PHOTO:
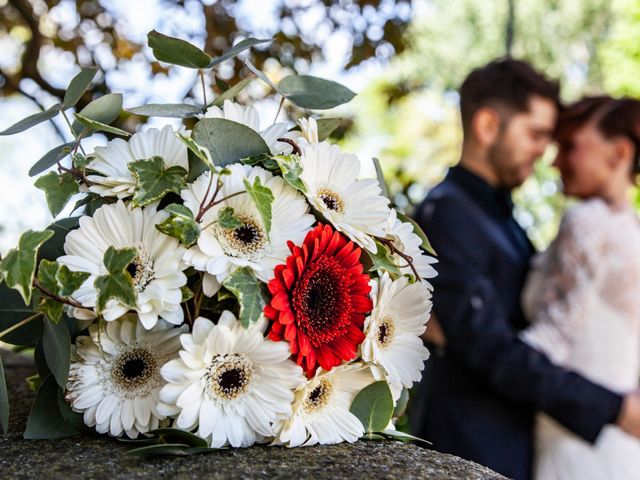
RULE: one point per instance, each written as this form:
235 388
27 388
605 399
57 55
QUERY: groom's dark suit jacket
479 394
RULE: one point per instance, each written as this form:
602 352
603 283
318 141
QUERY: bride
582 295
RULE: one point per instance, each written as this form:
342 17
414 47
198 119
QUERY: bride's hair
613 117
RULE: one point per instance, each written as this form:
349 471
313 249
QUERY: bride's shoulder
588 212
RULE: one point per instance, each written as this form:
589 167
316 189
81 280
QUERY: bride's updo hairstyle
614 117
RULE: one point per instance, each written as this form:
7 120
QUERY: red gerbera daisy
319 300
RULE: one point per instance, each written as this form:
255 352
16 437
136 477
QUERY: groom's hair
505 84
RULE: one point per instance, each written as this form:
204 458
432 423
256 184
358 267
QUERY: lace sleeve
568 276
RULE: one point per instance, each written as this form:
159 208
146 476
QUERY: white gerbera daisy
230 383
355 207
399 316
220 251
309 129
111 162
156 270
405 240
115 378
248 115
321 408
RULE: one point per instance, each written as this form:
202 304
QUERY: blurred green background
406 60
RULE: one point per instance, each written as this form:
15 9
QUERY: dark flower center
331 200
141 271
386 331
246 234
319 396
134 369
228 376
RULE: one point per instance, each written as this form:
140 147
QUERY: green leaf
19 265
68 281
228 141
403 437
58 189
45 421
187 294
12 311
175 435
260 74
51 158
313 92
170 110
153 180
78 86
236 49
160 449
381 181
383 260
104 110
180 224
197 150
56 344
291 170
176 51
117 283
4 401
227 218
54 247
263 198
231 92
47 279
99 126
401 404
373 406
252 295
33 120
426 245
326 126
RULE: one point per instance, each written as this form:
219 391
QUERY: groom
482 385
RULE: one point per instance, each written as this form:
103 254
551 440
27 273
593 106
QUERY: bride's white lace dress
583 300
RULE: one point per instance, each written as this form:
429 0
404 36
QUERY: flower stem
21 323
58 298
389 243
296 148
279 109
204 90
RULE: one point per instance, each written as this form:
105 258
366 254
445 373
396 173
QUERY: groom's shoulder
447 202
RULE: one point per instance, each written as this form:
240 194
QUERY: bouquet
227 285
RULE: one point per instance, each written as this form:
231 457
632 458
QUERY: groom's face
523 138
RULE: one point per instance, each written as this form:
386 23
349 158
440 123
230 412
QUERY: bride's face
582 161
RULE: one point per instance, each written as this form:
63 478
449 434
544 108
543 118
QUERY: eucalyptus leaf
380 176
230 93
154 181
401 403
426 245
176 51
373 406
252 295
169 110
260 74
56 344
159 449
236 49
263 198
12 311
100 127
291 170
78 86
4 401
45 421
104 110
117 284
403 437
314 93
175 435
58 189
228 141
33 120
383 260
326 126
227 218
180 224
19 265
54 247
52 157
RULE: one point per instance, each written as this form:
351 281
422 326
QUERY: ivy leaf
252 295
103 110
313 92
187 294
231 92
78 86
228 141
153 180
33 120
99 126
263 198
291 170
68 281
373 406
19 265
51 158
4 401
56 344
180 224
227 218
383 260
117 284
426 245
58 189
176 51
236 49
169 110
197 150
47 279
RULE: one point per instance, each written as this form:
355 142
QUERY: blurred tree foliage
411 113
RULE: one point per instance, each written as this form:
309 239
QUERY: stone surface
97 457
